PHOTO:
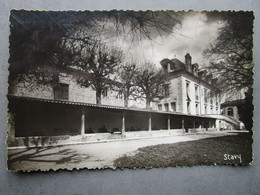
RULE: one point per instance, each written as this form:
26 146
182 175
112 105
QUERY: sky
193 32
193 35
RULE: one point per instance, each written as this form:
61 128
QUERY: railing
226 118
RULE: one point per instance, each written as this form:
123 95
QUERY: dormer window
195 72
193 69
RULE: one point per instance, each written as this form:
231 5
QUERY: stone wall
77 93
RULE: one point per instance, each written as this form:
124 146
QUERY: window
197 108
205 96
188 107
188 90
119 95
192 69
173 106
159 106
196 93
61 92
206 108
195 71
211 97
104 92
166 106
166 90
230 112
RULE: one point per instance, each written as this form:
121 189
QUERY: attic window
171 66
193 69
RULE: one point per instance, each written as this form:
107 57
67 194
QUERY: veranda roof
67 102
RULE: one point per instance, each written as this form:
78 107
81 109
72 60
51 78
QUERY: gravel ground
91 156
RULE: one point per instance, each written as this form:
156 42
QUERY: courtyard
190 149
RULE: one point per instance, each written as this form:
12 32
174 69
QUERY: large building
189 89
67 112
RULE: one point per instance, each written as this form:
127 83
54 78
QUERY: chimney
188 62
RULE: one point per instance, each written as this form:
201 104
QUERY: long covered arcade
34 121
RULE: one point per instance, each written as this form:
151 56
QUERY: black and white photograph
129 89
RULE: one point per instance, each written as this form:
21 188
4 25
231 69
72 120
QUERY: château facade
189 89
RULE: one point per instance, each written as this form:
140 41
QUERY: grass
200 152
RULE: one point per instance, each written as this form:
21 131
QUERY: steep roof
175 64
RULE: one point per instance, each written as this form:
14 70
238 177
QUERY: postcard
129 89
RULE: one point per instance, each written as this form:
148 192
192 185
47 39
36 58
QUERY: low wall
44 141
153 133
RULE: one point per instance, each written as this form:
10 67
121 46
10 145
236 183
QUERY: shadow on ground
54 155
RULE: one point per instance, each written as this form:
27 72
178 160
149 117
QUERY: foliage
231 53
245 110
37 46
231 59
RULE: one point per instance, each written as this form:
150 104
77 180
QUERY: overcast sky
192 36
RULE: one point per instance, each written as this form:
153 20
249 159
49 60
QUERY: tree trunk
55 78
98 96
148 104
126 95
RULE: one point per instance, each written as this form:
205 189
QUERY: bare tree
97 63
151 83
42 44
35 35
127 75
